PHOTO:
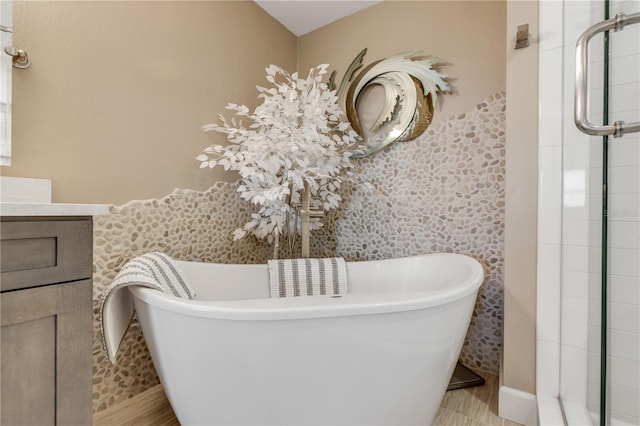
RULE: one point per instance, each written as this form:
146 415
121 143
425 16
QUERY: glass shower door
600 302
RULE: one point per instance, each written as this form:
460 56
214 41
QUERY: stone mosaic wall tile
443 192
187 225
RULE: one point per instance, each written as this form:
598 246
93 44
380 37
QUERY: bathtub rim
309 307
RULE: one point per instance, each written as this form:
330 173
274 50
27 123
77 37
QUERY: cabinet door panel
54 323
28 360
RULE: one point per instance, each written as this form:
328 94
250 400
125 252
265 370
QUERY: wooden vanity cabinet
46 265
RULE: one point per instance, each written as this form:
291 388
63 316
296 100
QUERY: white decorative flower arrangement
296 136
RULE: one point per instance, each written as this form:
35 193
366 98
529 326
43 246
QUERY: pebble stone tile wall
442 192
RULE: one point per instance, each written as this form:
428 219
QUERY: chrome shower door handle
582 62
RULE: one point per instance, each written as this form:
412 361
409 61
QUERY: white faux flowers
296 135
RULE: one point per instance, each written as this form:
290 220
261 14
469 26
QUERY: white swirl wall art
411 88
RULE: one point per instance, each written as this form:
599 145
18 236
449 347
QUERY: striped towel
153 270
307 277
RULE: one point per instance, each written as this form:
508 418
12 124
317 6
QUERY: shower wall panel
570 221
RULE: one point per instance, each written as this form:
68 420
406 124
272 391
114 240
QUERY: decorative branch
296 136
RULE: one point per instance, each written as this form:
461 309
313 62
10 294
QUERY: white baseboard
517 406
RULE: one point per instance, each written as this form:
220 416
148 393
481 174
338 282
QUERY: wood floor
477 406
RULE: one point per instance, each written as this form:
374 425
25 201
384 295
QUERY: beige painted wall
519 356
112 105
468 35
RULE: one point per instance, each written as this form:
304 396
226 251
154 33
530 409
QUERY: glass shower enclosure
600 217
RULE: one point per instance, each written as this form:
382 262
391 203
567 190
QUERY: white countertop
53 209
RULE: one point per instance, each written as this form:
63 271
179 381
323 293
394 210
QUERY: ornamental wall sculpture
411 87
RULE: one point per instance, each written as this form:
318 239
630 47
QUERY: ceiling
303 16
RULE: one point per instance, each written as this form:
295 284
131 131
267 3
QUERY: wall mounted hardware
20 57
522 36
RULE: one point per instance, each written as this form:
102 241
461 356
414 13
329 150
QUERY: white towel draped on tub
307 277
153 270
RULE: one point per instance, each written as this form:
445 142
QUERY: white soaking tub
381 354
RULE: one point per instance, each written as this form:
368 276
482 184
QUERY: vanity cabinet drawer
35 253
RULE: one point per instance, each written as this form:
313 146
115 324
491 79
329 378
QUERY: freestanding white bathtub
382 354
